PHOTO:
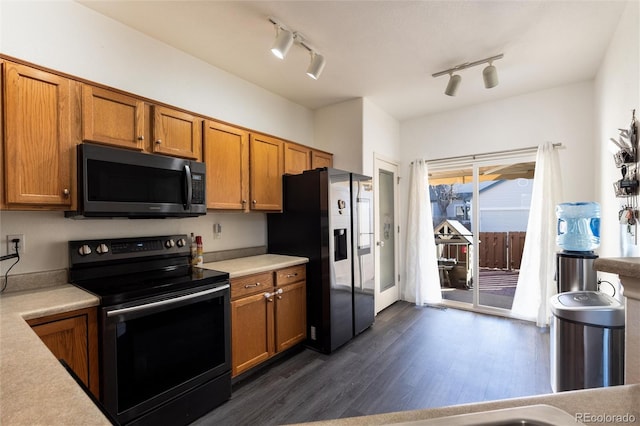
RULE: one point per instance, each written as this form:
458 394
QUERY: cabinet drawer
291 275
251 284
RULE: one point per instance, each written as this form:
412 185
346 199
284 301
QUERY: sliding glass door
480 210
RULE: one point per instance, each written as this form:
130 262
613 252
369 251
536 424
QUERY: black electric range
164 328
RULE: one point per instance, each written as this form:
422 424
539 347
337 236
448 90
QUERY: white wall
339 128
381 136
617 93
68 37
560 115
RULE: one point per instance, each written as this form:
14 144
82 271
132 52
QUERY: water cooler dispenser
578 235
587 328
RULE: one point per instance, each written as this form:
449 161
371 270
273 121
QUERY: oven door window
160 351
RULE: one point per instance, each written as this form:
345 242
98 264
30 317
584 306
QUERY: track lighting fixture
452 86
285 38
489 74
282 43
316 66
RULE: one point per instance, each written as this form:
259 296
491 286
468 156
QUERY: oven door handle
163 303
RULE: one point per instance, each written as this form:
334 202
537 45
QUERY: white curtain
536 279
423 281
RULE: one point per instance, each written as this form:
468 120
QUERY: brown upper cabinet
176 133
112 118
226 154
38 146
244 171
265 171
45 115
321 159
297 158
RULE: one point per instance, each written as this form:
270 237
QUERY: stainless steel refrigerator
327 217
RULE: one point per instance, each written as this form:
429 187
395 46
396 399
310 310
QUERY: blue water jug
578 226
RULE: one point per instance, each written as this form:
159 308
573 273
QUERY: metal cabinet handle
65 192
244 201
159 141
267 295
252 285
141 137
292 275
254 202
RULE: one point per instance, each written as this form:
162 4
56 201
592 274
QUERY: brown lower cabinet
268 316
73 337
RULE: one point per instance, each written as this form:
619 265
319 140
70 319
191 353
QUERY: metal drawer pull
292 275
165 302
252 285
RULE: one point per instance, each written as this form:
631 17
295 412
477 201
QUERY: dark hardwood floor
411 358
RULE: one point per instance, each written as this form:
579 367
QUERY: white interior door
386 233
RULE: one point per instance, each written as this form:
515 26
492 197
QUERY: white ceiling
386 51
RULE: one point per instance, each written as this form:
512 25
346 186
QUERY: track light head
452 86
282 43
490 76
316 65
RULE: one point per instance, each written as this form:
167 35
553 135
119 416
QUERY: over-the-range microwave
115 182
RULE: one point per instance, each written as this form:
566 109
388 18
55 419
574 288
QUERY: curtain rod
506 151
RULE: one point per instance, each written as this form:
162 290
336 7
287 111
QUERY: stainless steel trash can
586 341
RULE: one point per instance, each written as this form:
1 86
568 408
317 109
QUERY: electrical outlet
11 245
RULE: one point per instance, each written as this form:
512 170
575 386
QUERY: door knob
380 243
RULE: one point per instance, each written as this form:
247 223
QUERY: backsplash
47 233
37 280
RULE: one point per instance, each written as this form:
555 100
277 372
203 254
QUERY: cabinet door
291 315
266 170
73 337
112 118
226 154
321 159
177 133
38 146
251 332
297 158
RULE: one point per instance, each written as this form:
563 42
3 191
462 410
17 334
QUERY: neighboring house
504 204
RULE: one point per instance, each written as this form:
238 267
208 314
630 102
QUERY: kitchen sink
531 415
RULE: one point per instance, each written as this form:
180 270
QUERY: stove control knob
102 249
181 242
84 250
169 243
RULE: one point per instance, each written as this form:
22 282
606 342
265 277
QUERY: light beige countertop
255 264
35 389
583 404
625 266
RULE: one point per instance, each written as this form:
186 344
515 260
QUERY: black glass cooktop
117 289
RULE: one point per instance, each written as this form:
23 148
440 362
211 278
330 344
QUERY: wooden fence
501 250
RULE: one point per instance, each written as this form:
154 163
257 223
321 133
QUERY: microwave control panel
197 188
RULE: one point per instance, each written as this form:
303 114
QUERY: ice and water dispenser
587 328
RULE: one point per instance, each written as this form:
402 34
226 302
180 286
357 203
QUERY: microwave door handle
187 172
